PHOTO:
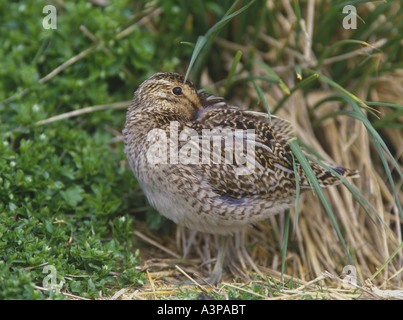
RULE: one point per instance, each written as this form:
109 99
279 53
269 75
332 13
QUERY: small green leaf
73 195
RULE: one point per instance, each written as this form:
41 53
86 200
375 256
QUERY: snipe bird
209 166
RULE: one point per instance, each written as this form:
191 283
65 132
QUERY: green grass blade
286 229
300 85
297 194
200 43
297 11
378 143
315 184
261 96
388 173
356 103
252 78
274 75
367 207
381 147
231 72
385 104
298 71
340 43
190 44
346 93
400 247
211 34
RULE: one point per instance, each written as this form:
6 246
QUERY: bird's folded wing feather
251 158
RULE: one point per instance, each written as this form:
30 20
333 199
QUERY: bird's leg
216 275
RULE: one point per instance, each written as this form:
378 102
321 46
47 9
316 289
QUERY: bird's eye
177 91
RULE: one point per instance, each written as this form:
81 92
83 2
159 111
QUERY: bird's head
167 93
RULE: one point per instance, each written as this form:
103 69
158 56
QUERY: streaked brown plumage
204 194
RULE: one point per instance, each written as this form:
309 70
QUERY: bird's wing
250 159
271 170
